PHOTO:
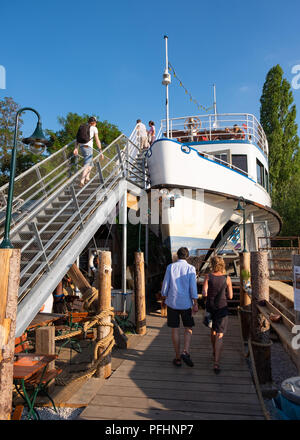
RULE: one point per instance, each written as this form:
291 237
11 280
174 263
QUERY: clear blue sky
107 57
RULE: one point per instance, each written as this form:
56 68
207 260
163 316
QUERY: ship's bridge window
240 161
223 155
260 173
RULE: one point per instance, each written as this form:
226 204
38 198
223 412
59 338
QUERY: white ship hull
198 217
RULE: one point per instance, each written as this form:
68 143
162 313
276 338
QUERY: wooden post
104 303
260 330
245 300
45 342
139 287
9 286
296 262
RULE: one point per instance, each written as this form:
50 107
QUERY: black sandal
177 362
217 369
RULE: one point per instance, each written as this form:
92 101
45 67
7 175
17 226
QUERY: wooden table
30 370
43 319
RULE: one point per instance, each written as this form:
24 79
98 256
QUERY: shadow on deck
147 385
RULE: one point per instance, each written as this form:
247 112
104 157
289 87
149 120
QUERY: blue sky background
107 57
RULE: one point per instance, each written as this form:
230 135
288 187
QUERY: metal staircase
54 218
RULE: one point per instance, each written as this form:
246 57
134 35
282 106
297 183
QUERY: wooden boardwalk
147 385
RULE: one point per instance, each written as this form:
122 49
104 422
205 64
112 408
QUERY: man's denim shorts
87 153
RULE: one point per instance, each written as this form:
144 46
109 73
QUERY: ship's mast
166 81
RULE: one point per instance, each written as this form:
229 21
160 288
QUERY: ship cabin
234 140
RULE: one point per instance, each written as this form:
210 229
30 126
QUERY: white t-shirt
93 131
141 130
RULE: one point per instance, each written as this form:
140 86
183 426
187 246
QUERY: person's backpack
83 134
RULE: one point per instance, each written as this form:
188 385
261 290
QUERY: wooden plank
145 384
164 375
177 395
110 413
18 412
170 404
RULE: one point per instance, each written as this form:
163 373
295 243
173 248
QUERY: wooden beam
260 330
139 287
9 286
79 279
104 303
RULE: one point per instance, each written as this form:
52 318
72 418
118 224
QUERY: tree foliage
277 116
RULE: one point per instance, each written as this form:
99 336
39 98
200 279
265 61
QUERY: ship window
219 157
240 161
260 173
267 180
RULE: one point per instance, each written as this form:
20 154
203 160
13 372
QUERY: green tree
277 116
25 159
70 124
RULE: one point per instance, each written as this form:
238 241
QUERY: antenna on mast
215 124
166 82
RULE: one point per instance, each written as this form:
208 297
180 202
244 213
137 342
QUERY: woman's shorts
87 153
219 325
173 318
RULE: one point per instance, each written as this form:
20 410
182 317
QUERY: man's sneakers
187 359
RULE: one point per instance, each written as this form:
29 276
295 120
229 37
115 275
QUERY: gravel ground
50 414
282 368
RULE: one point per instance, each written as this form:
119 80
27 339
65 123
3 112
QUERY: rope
246 354
260 397
105 343
256 381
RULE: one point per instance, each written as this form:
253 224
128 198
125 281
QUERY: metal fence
220 127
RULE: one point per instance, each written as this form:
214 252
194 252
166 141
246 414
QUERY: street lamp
37 142
241 208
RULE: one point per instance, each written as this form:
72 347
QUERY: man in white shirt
142 135
86 149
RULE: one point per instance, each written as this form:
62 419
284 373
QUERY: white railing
220 127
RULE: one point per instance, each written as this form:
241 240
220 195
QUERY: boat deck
147 386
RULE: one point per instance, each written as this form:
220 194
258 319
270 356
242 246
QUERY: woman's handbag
207 321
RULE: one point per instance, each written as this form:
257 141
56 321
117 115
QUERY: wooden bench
21 343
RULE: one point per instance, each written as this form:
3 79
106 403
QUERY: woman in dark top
215 285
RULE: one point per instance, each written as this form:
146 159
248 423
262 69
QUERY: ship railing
220 127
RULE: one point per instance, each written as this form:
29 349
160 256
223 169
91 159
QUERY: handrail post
121 161
39 242
72 189
39 176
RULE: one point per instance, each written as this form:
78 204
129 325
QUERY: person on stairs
142 135
85 139
179 291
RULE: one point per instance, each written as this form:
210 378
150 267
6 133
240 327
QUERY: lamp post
241 208
36 141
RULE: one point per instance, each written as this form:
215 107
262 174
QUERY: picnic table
30 376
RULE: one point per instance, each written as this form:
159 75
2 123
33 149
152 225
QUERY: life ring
192 123
91 261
